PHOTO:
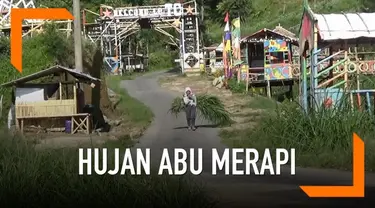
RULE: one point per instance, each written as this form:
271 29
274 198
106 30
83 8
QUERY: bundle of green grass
209 107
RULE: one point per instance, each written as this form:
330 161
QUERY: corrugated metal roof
346 26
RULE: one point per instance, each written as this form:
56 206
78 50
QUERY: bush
49 178
236 87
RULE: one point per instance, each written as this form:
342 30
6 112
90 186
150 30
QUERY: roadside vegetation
135 113
49 177
322 139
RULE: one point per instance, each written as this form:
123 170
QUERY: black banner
190 34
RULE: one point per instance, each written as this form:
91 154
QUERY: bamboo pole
357 70
346 86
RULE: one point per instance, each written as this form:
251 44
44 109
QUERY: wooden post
247 80
88 124
66 86
247 53
291 92
60 90
238 74
268 88
17 124
22 125
72 125
75 97
248 60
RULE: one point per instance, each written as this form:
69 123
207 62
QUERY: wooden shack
269 56
51 97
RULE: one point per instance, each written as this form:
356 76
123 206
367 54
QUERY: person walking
190 101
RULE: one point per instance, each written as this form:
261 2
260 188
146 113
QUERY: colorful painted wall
244 71
276 60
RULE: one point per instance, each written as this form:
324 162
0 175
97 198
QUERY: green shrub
49 178
236 87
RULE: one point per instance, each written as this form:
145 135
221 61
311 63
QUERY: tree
368 5
239 8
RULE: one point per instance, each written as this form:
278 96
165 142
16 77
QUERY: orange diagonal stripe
16 17
358 187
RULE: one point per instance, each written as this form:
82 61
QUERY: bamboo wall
48 108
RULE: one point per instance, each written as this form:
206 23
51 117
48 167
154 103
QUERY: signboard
166 10
190 34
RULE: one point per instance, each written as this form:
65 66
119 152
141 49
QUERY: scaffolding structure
29 26
113 29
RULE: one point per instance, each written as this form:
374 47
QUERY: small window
277 58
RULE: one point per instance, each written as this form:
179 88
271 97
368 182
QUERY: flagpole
230 49
224 52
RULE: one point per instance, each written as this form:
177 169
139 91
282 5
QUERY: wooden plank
48 108
77 122
58 116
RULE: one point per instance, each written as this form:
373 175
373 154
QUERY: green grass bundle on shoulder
209 108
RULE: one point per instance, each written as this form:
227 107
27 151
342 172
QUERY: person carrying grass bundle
190 101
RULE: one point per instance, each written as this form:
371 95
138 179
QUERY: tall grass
321 139
49 178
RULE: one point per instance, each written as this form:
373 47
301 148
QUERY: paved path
166 132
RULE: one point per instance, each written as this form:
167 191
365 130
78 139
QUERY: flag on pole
226 28
236 39
224 59
226 19
227 46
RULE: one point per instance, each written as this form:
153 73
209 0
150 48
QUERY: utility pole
77 35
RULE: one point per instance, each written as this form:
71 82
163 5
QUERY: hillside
270 13
255 14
